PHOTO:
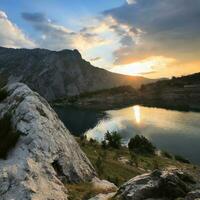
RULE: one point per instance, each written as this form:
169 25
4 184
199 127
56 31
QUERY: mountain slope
58 74
181 93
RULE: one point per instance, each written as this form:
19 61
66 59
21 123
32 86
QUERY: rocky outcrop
106 189
193 195
163 185
103 185
44 156
59 74
103 196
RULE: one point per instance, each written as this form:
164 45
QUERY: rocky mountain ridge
58 74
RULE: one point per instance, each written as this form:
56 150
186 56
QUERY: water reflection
137 113
173 131
78 120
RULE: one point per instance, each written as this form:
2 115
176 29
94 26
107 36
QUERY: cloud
167 28
11 35
130 1
56 37
95 59
150 65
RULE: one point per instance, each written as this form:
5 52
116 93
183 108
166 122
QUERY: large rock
157 185
103 185
45 156
103 196
193 195
106 189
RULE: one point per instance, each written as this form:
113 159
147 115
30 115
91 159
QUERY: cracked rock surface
159 185
45 156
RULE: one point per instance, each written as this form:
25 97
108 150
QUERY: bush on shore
181 159
112 139
140 145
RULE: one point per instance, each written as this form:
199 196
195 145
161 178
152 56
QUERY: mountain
58 74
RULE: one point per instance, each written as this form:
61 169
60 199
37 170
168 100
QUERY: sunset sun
144 67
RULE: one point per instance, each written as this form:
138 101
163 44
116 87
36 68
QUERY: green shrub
155 164
93 141
113 139
99 165
8 137
83 137
181 159
134 159
166 154
72 99
83 140
3 94
114 180
139 144
104 144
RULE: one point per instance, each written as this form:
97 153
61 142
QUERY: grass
181 159
118 171
83 191
113 170
80 191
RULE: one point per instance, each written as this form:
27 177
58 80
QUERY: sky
152 38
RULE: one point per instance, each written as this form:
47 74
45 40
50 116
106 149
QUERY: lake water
172 131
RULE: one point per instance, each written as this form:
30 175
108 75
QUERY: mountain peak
58 74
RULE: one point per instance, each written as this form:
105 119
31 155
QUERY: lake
173 131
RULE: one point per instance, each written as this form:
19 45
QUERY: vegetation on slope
103 99
119 165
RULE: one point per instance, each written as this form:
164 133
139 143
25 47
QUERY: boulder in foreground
162 185
43 155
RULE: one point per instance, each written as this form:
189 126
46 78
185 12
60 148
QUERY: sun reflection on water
137 113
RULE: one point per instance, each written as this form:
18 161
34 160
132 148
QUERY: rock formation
160 185
58 74
44 156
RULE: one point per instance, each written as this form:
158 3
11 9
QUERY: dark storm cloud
34 17
170 28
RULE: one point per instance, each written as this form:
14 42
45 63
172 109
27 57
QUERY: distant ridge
57 74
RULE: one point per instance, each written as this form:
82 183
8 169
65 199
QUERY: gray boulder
45 154
157 185
193 195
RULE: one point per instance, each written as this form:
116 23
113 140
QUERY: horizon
115 35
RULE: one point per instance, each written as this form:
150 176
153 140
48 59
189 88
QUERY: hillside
58 74
181 93
117 97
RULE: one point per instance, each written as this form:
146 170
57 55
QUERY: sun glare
137 114
146 66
